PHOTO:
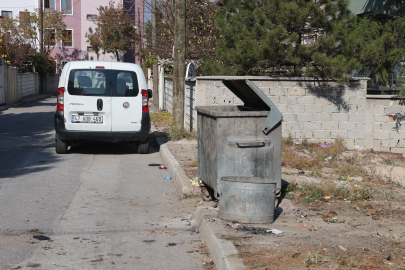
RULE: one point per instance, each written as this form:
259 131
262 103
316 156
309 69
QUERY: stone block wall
387 132
316 110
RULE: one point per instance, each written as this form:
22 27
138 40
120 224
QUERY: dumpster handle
251 144
276 190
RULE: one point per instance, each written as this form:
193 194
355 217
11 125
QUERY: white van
102 101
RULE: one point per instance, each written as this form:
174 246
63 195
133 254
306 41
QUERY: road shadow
23 161
30 127
49 102
163 137
25 141
106 148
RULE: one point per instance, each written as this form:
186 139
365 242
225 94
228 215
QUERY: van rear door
88 98
126 100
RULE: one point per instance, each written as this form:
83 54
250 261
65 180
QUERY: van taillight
61 91
145 107
100 67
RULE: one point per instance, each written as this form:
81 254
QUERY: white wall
2 84
90 7
28 84
19 5
21 85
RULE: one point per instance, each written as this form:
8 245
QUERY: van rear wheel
60 146
143 147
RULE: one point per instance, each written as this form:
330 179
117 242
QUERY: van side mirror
149 93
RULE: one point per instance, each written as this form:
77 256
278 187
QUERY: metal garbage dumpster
240 140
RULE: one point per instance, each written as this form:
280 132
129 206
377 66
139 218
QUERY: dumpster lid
253 97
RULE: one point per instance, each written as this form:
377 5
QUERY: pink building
79 16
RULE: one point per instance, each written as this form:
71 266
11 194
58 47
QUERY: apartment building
12 9
79 16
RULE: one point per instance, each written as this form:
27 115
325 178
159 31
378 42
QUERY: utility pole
42 25
155 66
140 35
41 78
178 65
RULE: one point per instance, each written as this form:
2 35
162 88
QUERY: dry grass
300 162
162 120
194 162
335 168
307 156
344 169
312 192
178 134
288 141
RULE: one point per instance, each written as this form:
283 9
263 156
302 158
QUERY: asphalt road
101 205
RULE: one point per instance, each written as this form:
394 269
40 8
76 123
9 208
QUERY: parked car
102 101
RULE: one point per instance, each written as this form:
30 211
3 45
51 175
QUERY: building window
90 49
68 39
67 6
91 17
49 5
50 37
7 14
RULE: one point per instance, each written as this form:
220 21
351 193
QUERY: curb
179 177
28 99
223 252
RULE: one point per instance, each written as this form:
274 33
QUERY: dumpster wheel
207 194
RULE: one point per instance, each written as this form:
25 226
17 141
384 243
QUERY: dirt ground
340 209
329 234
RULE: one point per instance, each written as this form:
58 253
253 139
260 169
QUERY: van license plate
87 119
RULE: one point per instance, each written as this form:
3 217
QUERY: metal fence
190 114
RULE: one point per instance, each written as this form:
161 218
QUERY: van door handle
99 104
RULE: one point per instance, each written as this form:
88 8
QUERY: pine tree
300 37
381 47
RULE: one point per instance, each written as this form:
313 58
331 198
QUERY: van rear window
90 82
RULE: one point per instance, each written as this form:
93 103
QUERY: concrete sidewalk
223 252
